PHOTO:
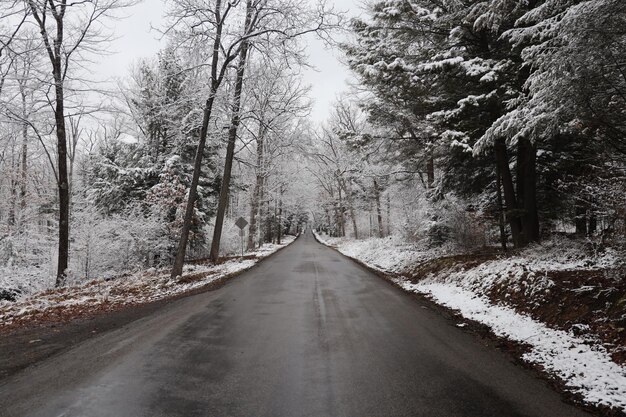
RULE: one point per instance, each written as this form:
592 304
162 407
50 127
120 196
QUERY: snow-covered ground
581 362
139 288
390 254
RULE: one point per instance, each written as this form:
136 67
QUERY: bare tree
276 99
68 30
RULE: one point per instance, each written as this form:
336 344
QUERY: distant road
306 333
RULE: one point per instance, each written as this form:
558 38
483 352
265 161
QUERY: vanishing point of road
307 332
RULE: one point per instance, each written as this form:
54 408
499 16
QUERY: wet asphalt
307 332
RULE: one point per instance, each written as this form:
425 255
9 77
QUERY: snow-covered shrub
106 246
28 260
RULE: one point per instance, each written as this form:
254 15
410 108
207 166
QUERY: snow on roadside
388 254
586 367
139 288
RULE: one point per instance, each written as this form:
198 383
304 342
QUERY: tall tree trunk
342 226
232 138
350 203
388 214
11 218
430 171
580 220
275 221
256 194
268 220
280 217
593 224
501 218
24 165
179 261
511 210
63 185
527 190
261 219
371 222
379 214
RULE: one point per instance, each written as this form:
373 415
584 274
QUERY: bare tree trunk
342 227
355 230
593 224
379 215
268 219
527 194
232 137
430 171
24 165
258 185
64 197
580 220
262 232
501 219
280 216
388 214
371 222
275 220
11 218
502 160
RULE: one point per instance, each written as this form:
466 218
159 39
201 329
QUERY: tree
277 100
67 31
279 23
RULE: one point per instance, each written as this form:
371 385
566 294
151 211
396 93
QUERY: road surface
306 333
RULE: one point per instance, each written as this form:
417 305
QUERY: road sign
241 223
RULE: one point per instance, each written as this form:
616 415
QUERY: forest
470 124
479 144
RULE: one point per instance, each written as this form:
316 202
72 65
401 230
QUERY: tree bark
430 171
350 202
64 197
501 218
388 214
593 224
232 137
379 215
580 220
280 217
502 160
256 194
342 226
24 164
527 194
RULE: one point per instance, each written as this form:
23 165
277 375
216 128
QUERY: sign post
241 223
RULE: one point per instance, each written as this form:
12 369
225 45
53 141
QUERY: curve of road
306 333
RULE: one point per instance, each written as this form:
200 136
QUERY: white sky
135 41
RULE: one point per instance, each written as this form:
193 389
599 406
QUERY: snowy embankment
580 361
107 295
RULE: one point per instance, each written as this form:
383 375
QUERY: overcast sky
135 40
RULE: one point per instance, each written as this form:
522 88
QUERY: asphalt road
306 333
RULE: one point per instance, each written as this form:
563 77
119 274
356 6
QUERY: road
305 333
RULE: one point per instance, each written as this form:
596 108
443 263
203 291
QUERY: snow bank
139 288
581 362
